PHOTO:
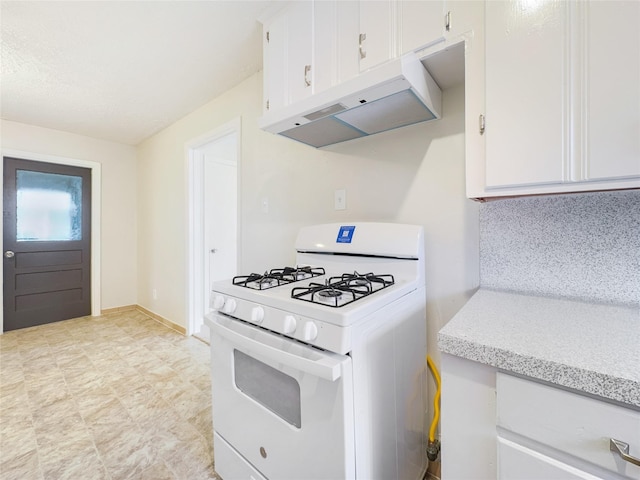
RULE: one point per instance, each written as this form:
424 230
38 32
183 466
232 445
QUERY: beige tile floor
119 396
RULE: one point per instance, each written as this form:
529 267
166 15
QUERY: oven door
285 407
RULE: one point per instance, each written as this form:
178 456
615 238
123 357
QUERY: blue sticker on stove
345 235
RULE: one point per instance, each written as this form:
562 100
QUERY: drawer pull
622 449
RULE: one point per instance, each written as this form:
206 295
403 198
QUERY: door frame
96 209
195 291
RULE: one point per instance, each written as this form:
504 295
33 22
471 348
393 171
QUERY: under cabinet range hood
396 94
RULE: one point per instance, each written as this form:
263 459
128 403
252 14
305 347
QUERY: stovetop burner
342 290
277 276
330 293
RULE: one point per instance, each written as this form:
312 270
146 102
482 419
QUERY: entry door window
48 207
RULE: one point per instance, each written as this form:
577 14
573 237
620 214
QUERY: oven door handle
327 366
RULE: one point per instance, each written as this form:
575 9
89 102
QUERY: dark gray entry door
47 242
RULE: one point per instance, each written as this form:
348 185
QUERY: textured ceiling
122 70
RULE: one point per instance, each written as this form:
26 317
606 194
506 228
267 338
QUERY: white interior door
214 216
220 210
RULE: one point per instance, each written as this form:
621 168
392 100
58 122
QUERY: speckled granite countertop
594 348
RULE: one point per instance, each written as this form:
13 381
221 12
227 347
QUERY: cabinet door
527 99
612 82
467 22
377 40
335 47
288 55
348 29
325 38
299 49
275 63
421 24
516 462
465 16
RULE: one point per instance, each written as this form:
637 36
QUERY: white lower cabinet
546 432
516 462
495 425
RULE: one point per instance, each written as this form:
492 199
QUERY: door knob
9 254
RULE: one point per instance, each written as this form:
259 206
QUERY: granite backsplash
583 246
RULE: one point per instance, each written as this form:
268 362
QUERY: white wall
410 175
119 213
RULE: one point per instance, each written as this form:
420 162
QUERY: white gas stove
318 369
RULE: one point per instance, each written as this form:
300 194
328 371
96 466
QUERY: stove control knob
257 315
217 302
289 324
229 306
310 332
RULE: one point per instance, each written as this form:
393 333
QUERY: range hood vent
396 94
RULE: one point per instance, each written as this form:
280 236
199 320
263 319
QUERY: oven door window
271 388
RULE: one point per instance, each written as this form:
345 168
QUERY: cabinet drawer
578 425
516 462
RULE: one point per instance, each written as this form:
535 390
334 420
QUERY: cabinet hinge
267 104
447 22
307 80
481 124
267 34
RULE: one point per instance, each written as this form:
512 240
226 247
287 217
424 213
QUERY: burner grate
342 290
277 277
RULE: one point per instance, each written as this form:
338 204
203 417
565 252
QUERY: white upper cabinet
389 28
526 92
325 44
555 106
347 30
274 43
288 55
421 24
312 45
463 18
612 90
300 50
309 46
377 38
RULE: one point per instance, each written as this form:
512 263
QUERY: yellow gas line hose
436 400
436 403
